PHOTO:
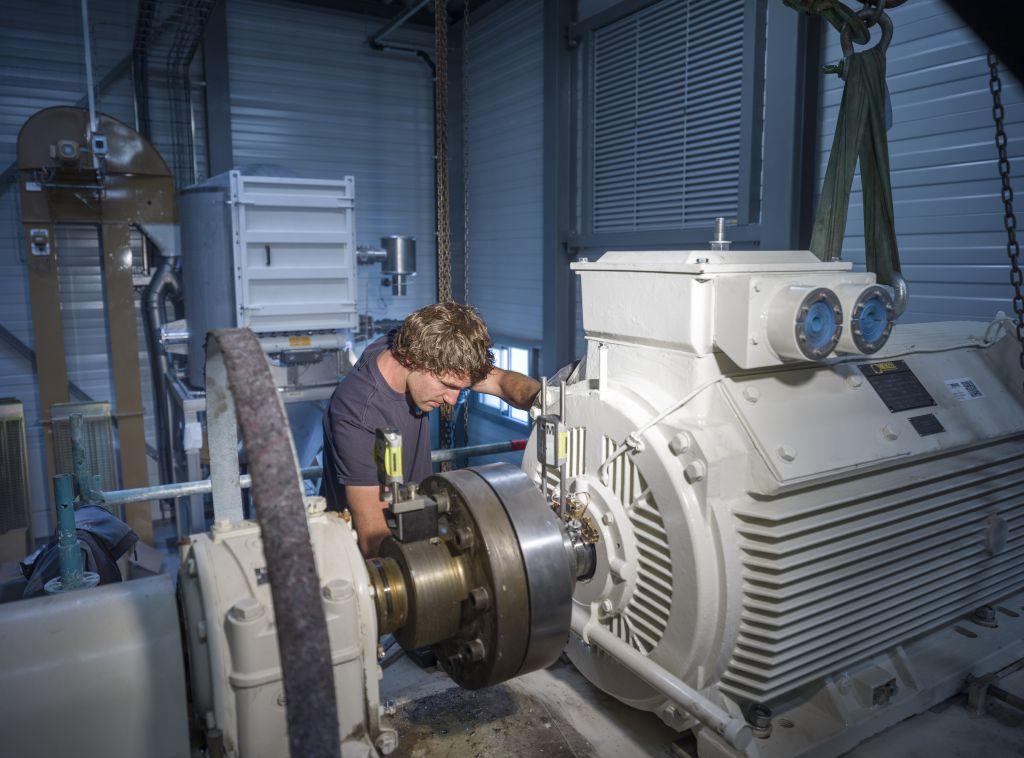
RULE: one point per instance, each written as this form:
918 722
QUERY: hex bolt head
751 395
222 525
854 381
607 519
890 432
680 443
339 590
247 609
606 607
620 570
695 471
479 598
475 650
986 616
786 453
760 719
386 742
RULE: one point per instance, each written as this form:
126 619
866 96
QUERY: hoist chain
444 233
995 85
465 186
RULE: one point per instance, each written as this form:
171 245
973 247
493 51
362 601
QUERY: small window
510 359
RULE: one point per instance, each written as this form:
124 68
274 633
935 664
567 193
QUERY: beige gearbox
819 548
237 690
477 567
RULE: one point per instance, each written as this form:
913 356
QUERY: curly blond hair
445 338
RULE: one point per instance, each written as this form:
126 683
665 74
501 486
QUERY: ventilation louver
14 505
99 440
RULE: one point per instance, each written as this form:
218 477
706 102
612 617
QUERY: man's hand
516 389
367 511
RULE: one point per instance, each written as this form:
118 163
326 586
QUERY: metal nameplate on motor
897 385
926 425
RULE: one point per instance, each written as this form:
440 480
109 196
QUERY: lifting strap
860 134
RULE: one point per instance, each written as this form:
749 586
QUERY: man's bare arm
514 388
367 517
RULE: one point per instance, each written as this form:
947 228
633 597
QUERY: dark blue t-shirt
362 402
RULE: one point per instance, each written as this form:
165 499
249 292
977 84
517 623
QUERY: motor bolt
760 719
985 615
475 650
479 598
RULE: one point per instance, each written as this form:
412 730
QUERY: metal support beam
788 164
559 282
219 146
378 39
222 437
47 326
124 357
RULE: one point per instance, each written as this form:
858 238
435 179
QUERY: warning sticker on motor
964 389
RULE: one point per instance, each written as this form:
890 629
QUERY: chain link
465 186
444 233
995 86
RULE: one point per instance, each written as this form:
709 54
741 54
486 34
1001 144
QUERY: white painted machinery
815 526
276 255
280 617
783 548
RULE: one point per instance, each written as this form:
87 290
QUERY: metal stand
980 689
187 405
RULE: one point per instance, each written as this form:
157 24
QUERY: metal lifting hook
879 16
870 16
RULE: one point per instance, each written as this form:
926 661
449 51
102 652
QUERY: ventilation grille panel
645 618
14 495
99 440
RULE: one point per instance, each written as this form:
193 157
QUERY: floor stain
493 721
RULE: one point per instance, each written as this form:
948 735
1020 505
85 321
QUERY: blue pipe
72 567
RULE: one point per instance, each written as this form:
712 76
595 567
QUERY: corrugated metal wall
949 219
41 65
310 98
506 155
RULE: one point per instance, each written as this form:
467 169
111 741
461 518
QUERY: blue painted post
72 567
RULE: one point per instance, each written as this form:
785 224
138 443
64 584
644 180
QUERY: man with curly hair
437 352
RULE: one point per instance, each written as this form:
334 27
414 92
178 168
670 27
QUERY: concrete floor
557 713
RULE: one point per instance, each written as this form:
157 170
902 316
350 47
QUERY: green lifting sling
860 134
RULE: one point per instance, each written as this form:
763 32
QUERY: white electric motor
820 545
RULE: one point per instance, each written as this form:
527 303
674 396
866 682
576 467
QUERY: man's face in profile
428 391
